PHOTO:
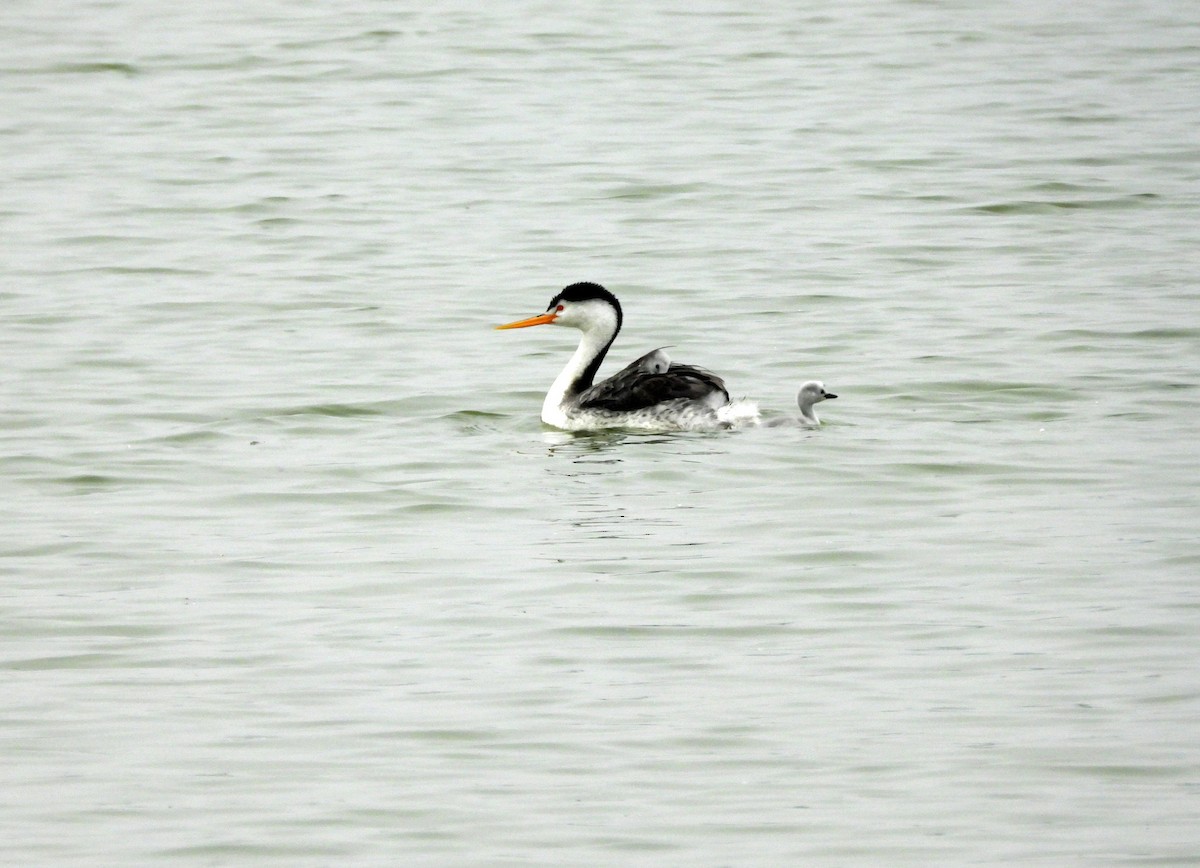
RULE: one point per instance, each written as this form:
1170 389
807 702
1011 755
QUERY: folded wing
654 379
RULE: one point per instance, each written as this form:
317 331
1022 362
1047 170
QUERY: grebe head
812 392
588 307
655 362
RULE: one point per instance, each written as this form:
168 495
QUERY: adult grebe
652 393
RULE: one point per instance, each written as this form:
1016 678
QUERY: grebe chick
812 392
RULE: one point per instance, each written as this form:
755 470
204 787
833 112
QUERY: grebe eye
558 309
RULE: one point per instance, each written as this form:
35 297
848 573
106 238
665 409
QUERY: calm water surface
294 575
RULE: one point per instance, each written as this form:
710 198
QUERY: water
293 574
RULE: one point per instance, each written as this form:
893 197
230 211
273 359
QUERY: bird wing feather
638 385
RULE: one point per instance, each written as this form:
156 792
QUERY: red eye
559 309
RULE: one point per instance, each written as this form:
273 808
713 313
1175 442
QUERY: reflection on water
621 497
578 445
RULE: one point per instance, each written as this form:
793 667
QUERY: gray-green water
293 575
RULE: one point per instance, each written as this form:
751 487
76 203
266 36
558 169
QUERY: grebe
812 392
652 393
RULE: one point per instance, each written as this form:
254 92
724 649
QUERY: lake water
293 574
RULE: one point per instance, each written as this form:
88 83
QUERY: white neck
591 344
808 414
